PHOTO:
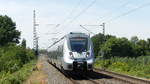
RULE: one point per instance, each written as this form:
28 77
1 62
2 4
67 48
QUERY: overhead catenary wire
55 26
128 12
110 12
72 11
122 5
87 29
83 11
80 13
55 42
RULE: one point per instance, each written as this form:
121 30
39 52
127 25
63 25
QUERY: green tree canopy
134 39
8 32
117 47
142 46
148 46
23 43
98 40
109 46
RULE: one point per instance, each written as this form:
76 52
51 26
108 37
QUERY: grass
19 76
37 76
139 67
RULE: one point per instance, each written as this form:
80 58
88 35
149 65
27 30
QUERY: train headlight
71 54
87 54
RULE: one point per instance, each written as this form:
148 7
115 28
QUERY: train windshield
78 44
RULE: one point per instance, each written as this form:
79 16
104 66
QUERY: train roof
71 34
77 34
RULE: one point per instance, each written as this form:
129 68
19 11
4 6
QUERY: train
72 52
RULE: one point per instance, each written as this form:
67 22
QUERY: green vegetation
120 47
8 32
13 57
139 66
130 57
23 44
19 76
16 62
98 41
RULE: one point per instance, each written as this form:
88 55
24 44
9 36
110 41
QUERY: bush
19 76
139 66
13 57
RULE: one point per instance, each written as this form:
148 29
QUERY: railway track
126 78
77 77
99 76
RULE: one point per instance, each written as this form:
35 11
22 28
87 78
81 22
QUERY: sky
123 18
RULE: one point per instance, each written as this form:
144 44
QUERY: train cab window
78 44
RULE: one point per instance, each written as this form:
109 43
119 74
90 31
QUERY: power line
55 42
110 12
103 26
83 11
130 11
58 25
55 26
87 29
73 10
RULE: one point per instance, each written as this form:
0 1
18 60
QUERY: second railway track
126 78
99 76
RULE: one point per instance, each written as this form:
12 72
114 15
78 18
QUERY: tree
134 39
142 46
117 47
98 40
23 44
148 46
8 32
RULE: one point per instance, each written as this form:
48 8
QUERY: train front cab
84 65
78 53
78 65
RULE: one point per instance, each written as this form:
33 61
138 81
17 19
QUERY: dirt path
46 74
38 76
